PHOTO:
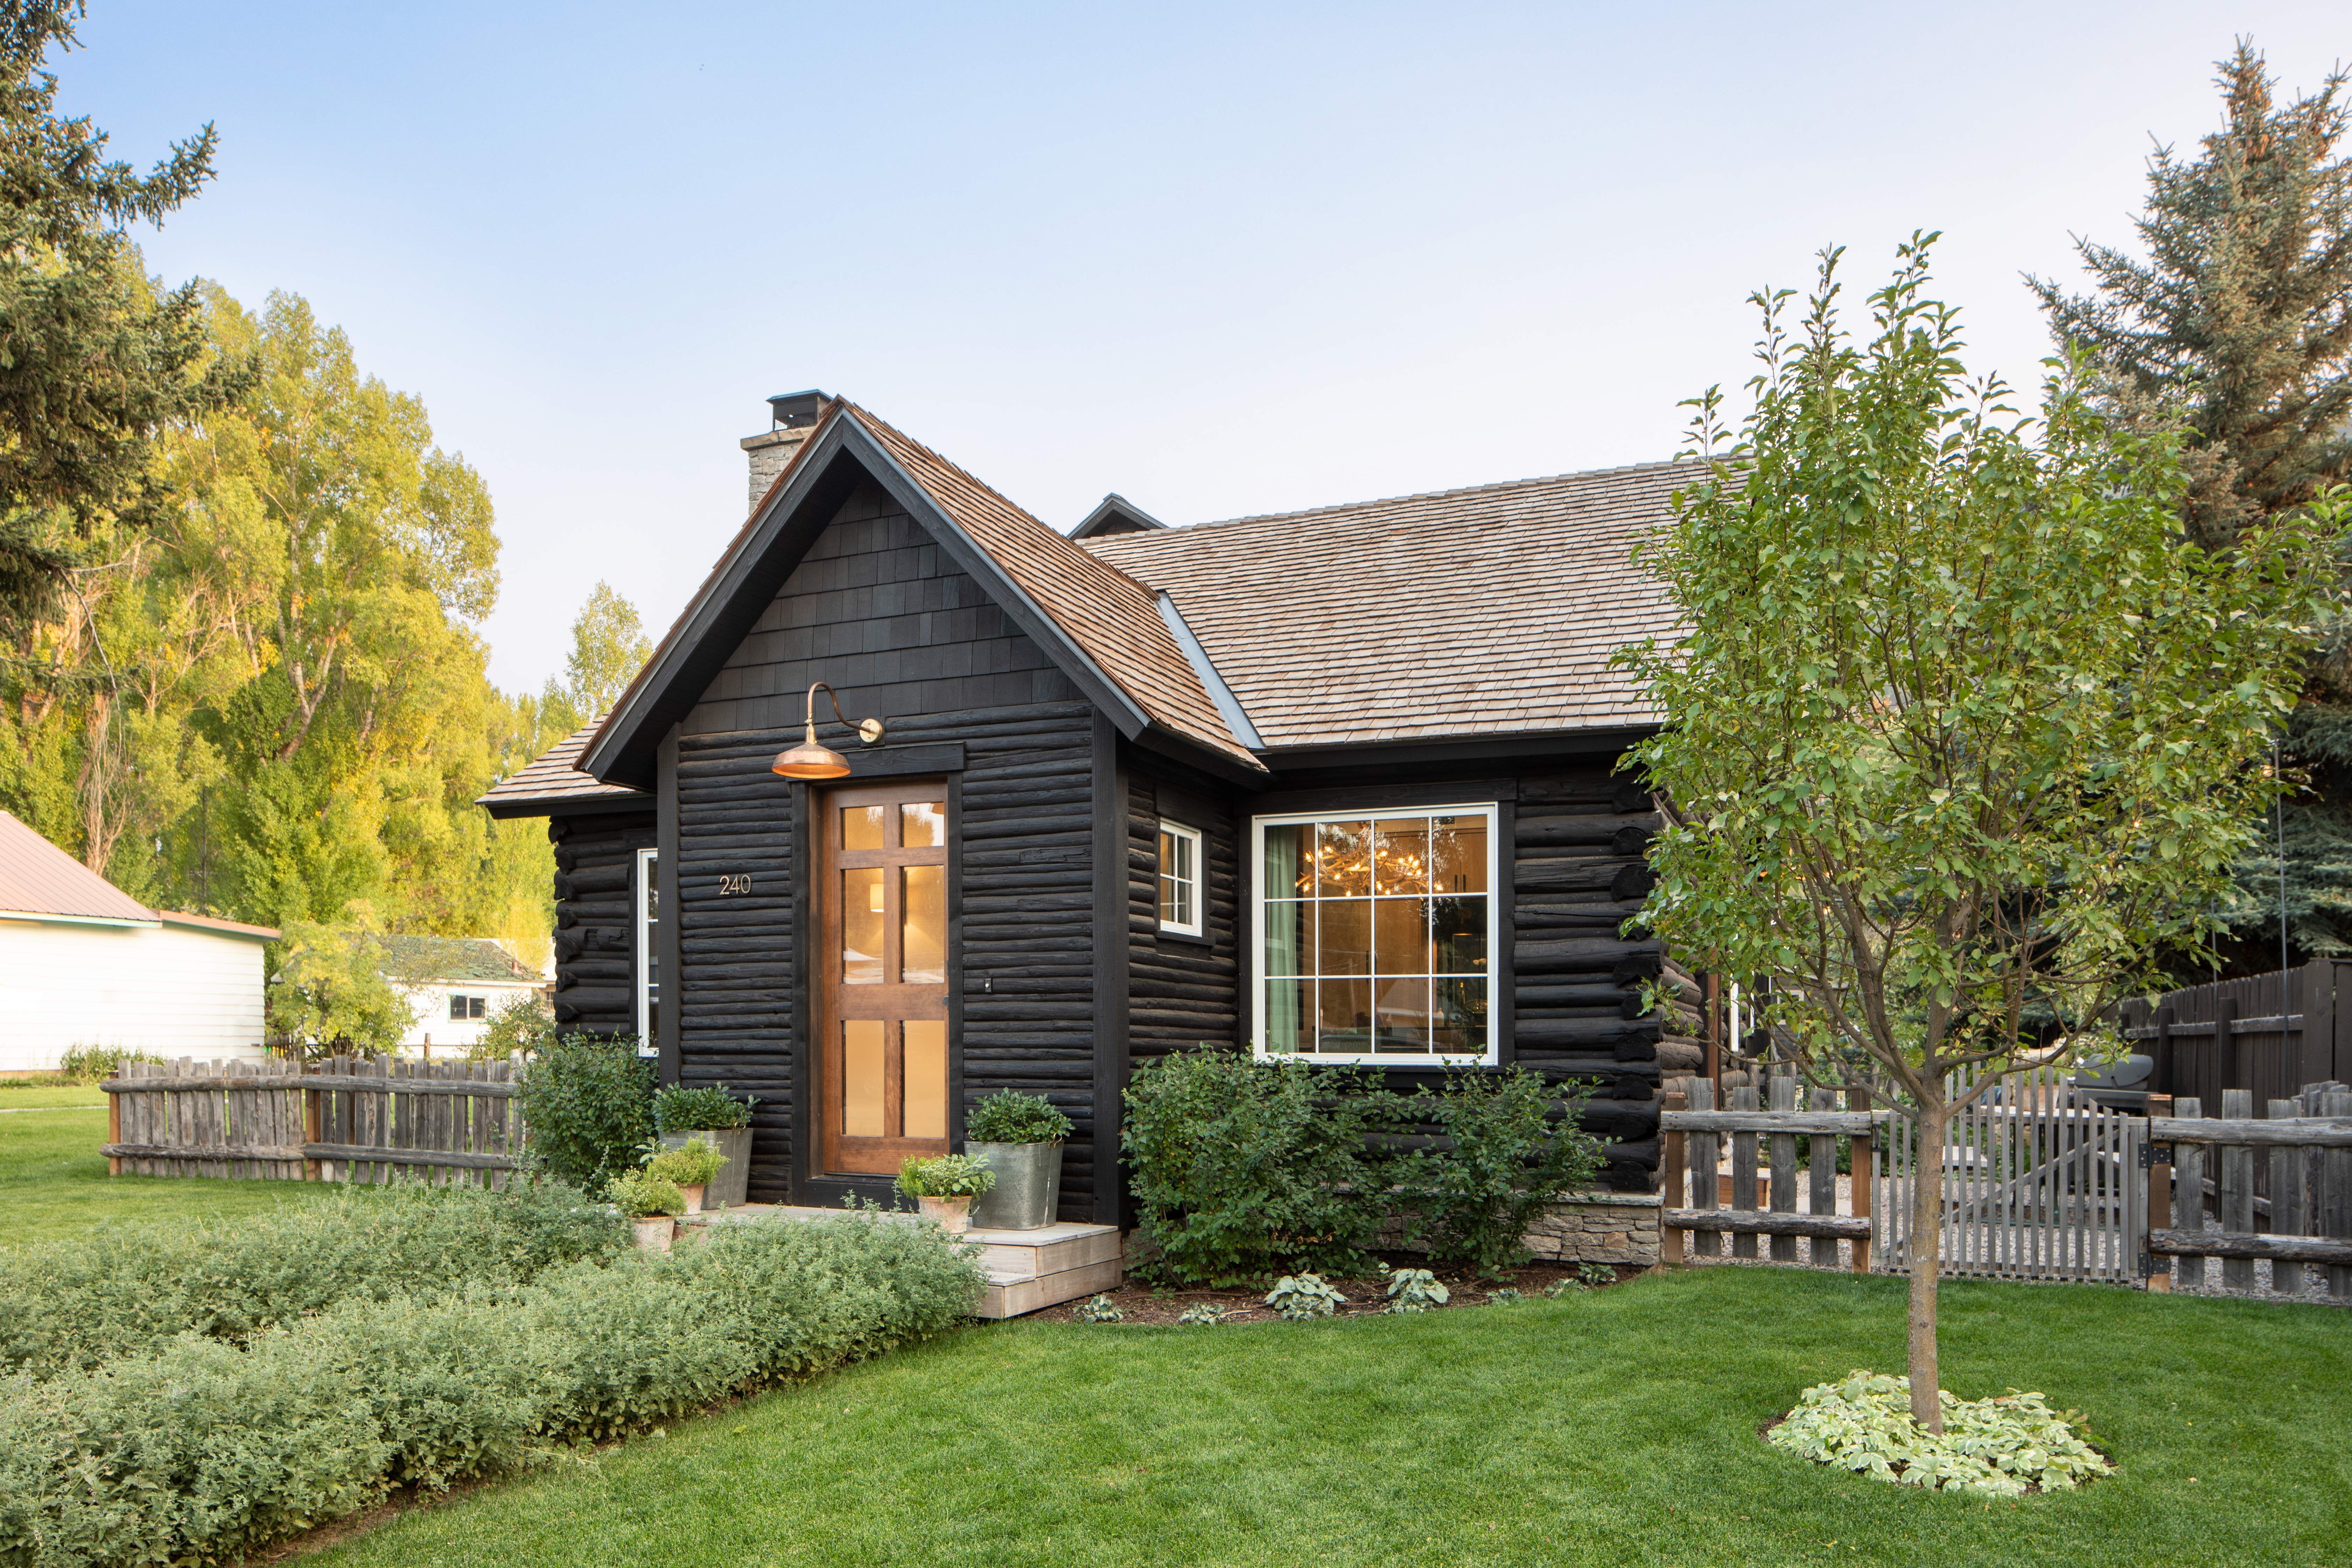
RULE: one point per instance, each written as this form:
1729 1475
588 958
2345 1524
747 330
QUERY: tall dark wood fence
2268 1035
350 1119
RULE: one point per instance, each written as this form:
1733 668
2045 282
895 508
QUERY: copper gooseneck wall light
809 760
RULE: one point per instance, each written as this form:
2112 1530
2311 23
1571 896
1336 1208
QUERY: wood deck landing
1028 1270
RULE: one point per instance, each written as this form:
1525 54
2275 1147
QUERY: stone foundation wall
1599 1228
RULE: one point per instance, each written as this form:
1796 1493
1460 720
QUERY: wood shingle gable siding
1486 611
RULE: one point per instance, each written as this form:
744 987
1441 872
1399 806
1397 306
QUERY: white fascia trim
44 918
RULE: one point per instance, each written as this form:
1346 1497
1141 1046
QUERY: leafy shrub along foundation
589 1101
124 1288
1245 1169
2000 1447
201 1451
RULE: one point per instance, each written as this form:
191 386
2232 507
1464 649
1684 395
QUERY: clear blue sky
1222 259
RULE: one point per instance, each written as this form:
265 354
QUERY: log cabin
1340 783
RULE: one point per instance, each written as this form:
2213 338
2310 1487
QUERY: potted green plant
689 1166
943 1187
1018 1136
682 1112
652 1206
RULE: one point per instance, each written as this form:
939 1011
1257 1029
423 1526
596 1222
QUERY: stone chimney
790 414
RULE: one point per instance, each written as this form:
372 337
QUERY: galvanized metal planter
731 1184
1028 1185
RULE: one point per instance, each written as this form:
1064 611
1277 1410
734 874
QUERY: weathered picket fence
2037 1181
348 1119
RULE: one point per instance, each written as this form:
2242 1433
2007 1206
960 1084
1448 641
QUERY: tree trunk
1927 1254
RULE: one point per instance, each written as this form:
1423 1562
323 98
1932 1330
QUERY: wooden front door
881 1039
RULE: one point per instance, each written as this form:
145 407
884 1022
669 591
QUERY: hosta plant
1503 1296
1200 1315
1999 1446
1100 1310
1415 1290
1305 1295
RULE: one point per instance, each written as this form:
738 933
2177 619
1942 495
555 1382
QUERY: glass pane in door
922 824
923 925
865 1071
925 1078
862 926
862 826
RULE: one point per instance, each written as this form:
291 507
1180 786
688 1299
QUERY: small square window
457 1007
1180 880
477 1006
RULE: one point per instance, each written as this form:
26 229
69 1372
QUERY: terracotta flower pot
953 1214
693 1198
656 1231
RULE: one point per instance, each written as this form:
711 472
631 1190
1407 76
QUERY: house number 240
734 884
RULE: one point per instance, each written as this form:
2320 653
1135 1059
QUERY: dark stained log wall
1182 991
596 972
877 611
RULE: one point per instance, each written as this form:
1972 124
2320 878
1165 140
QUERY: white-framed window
1180 880
462 1008
1370 934
648 924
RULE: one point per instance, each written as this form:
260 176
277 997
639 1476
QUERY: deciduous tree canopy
1963 727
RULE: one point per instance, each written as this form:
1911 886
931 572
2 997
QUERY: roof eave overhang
511 807
50 917
1593 741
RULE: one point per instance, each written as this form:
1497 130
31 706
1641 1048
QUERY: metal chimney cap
796 410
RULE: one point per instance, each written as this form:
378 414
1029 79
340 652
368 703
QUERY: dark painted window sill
1163 934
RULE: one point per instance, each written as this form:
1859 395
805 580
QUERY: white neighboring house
454 984
83 963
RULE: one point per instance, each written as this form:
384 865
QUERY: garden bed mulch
1144 1304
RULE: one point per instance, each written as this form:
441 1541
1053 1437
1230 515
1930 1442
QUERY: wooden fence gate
355 1119
2039 1182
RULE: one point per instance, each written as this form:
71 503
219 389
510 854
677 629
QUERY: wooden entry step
1028 1270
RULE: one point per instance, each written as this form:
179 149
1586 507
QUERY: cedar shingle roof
1488 610
552 776
1114 619
419 960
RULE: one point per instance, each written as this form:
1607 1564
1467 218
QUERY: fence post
2236 1187
1863 1179
2335 1203
1782 1089
1669 1238
2286 1202
2163 1075
2159 1202
310 1121
114 1123
1743 1172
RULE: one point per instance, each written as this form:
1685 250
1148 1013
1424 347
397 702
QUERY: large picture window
648 923
1371 935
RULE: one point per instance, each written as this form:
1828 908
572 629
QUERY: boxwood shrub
125 1288
201 1450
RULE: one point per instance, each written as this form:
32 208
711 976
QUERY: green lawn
53 1180
1613 1429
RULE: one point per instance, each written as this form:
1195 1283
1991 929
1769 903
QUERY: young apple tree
1961 729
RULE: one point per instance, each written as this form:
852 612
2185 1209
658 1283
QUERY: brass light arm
811 760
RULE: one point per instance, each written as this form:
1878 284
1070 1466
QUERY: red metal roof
36 878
